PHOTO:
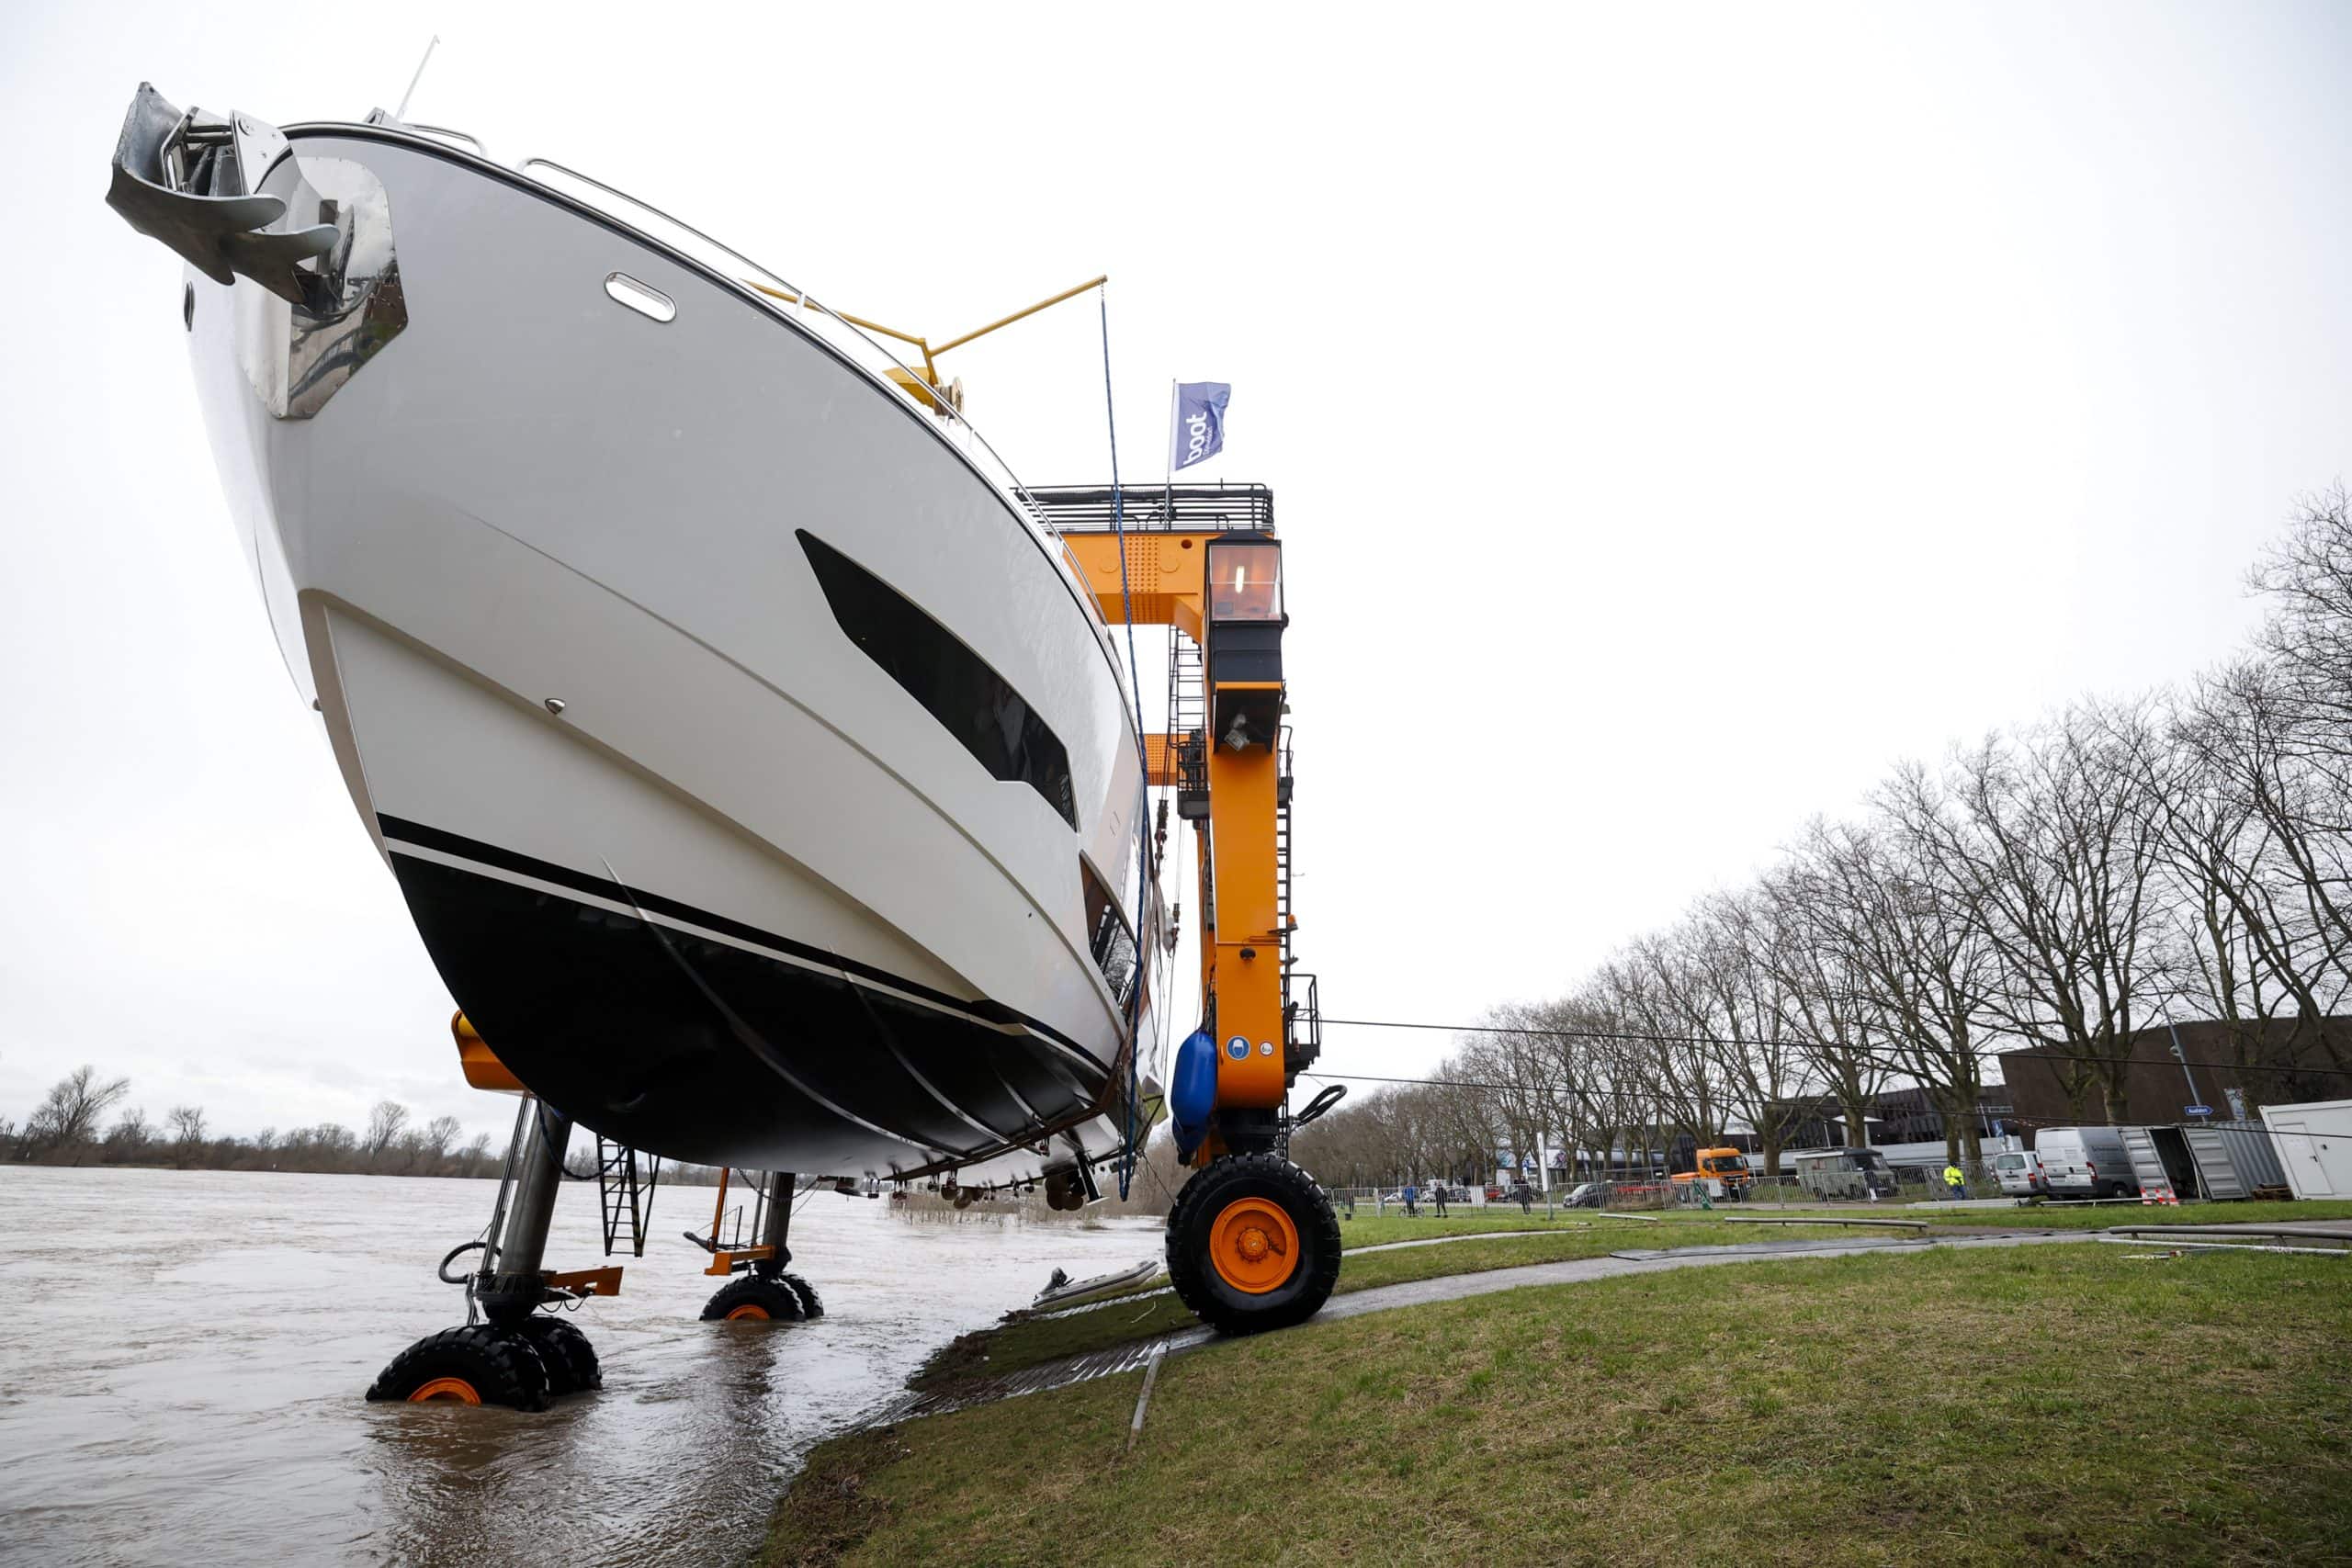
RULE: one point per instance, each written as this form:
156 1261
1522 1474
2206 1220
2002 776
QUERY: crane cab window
1245 583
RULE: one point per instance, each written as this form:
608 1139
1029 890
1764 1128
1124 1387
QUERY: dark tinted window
1109 941
972 702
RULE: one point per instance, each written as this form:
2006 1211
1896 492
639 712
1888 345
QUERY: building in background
2265 1066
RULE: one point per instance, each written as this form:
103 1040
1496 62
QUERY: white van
2021 1175
1843 1173
2086 1162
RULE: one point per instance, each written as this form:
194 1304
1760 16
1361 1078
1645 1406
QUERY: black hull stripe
401 830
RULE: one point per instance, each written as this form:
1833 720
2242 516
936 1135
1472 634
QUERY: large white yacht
755 765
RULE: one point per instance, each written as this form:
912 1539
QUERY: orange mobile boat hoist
1252 1242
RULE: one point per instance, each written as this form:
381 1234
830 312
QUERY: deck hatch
956 686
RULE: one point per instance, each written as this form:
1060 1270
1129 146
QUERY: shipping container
2161 1163
2315 1143
2235 1159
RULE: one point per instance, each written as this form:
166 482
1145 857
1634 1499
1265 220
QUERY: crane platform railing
1157 509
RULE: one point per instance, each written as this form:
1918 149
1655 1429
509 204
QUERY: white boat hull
607 620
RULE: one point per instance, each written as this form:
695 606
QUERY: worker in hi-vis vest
1954 1182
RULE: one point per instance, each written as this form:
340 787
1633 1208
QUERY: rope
1143 761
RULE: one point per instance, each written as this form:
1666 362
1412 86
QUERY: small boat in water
758 770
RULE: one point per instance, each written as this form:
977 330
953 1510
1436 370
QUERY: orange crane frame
1168 582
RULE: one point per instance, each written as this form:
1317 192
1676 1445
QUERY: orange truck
1722 1173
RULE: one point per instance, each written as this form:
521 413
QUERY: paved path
1420 1292
1347 1252
1468 1236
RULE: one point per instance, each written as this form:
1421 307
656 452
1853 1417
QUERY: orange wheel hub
457 1388
747 1313
1254 1245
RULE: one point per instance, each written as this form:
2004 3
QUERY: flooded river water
182 1355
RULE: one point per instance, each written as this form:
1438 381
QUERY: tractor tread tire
1194 1278
810 1305
779 1301
570 1361
501 1365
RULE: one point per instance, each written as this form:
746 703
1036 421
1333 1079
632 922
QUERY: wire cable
1141 978
1644 1037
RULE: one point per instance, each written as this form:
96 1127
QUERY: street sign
2197 1111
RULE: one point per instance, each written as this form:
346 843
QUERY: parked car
2021 1175
1586 1195
2086 1162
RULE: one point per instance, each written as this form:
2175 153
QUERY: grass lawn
1025 1342
2045 1403
2100 1216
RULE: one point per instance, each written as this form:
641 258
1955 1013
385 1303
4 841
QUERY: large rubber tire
1214 1300
569 1360
494 1365
750 1297
810 1306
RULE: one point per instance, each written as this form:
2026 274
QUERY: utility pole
2182 1057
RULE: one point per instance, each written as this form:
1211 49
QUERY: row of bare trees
2120 864
70 1126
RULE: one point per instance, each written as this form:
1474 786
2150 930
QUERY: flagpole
1167 500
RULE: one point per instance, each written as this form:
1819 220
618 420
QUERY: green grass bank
1023 1341
2045 1403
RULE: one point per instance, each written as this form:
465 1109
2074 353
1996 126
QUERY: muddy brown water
182 1355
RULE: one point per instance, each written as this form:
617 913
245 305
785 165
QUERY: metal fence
2220 1163
1785 1188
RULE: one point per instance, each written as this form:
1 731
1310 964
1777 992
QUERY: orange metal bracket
604 1282
723 1261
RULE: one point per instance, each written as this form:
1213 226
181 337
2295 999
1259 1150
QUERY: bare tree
1736 1001
131 1135
332 1145
1825 997
2045 846
2254 947
438 1134
1919 960
186 1122
384 1124
2308 635
67 1121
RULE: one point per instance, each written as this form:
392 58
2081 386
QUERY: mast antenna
402 112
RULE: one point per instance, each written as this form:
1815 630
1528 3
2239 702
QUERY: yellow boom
928 392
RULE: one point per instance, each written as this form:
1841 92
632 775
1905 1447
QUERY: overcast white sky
1676 416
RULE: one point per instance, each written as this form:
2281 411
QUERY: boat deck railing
862 349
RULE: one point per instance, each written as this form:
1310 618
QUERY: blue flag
1199 432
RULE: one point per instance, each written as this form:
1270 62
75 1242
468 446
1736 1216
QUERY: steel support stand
509 1286
778 1229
